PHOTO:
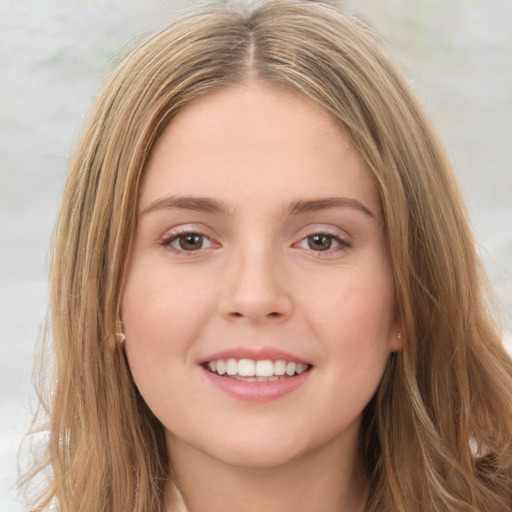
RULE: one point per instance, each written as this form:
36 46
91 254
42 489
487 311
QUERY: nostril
272 314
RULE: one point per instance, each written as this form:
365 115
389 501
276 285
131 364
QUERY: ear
397 338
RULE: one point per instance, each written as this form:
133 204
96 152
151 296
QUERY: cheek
356 348
358 307
159 304
162 314
354 323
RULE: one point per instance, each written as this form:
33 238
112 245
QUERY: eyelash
167 242
181 233
343 244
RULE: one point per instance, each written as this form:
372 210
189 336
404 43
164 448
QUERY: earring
120 337
399 335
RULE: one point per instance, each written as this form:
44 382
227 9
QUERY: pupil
320 242
190 242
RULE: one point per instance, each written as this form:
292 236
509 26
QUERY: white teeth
245 379
290 369
301 368
280 367
246 368
221 367
231 367
264 368
252 371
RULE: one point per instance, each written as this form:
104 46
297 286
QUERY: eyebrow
313 205
199 204
210 205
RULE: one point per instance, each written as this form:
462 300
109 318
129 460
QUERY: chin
258 459
259 452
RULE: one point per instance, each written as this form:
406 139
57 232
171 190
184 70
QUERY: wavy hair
437 436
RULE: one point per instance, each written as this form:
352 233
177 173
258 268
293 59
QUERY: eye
187 241
322 242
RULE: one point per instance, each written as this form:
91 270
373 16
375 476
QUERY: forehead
254 140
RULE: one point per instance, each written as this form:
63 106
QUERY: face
259 302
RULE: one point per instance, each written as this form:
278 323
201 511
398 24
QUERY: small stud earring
399 335
120 337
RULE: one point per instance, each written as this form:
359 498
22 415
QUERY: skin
257 277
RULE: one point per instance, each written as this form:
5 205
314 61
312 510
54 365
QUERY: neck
330 480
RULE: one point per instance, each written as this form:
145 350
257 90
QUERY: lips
259 375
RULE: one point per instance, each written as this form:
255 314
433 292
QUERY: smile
250 370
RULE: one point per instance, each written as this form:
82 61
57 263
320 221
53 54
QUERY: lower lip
257 391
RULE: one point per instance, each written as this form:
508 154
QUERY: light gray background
54 55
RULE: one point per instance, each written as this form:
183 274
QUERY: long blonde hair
437 436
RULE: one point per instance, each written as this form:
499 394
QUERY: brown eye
324 243
189 242
320 242
184 241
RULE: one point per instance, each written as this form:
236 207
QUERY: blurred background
54 56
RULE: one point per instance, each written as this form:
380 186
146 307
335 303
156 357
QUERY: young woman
264 290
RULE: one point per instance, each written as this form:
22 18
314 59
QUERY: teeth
290 369
280 367
252 371
245 379
231 367
264 368
246 368
221 366
301 368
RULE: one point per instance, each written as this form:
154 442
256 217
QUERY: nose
255 289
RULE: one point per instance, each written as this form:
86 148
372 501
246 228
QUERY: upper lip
260 354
